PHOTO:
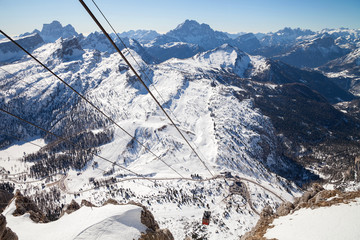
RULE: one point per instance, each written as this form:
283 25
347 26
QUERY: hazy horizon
232 16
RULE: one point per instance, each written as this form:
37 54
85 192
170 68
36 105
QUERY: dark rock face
247 42
72 207
153 231
5 198
25 205
285 209
174 50
87 203
201 34
53 31
147 218
5 232
281 73
163 234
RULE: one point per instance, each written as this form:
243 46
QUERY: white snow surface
10 158
340 221
106 223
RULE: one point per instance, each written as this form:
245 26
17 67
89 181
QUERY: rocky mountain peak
191 31
294 31
191 25
54 30
142 36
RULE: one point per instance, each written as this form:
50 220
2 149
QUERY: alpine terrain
251 121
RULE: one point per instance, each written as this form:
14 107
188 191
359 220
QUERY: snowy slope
107 222
9 52
226 140
326 223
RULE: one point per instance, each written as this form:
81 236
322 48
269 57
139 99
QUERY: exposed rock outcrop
153 231
316 197
87 203
5 232
285 209
5 198
72 207
161 234
26 205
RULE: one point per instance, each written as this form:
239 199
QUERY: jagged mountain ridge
142 36
53 31
191 31
314 53
298 47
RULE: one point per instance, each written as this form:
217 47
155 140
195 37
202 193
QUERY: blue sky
19 16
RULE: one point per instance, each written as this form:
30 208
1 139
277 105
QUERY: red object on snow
206 218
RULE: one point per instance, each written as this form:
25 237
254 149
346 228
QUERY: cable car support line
66 140
91 104
142 82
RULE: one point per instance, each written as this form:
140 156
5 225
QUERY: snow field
107 222
340 221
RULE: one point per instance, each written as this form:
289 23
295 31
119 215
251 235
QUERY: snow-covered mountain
235 35
313 53
349 63
344 37
107 222
345 71
54 30
98 41
285 36
262 127
247 42
191 31
305 48
9 52
298 47
186 40
142 36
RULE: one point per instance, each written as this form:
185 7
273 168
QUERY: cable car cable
74 144
91 104
142 82
143 71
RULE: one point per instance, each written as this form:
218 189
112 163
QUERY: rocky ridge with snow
53 31
10 52
6 232
142 36
316 198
